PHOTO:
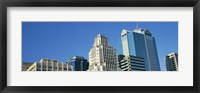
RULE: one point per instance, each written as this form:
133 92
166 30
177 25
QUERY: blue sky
63 40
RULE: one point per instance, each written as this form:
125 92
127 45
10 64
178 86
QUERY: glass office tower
78 63
141 43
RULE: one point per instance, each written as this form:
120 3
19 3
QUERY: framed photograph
106 46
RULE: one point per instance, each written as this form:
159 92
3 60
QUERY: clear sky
63 40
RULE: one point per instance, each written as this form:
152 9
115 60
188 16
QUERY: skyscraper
78 63
102 56
171 61
141 43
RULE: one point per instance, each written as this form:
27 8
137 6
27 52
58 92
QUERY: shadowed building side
26 65
171 61
131 63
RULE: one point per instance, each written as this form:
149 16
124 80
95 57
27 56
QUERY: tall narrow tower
102 56
141 43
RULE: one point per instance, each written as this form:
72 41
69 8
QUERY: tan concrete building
49 65
102 56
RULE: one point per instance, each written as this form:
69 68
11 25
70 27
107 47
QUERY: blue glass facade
131 43
78 63
140 47
142 44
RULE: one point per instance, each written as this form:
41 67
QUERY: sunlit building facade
102 56
49 65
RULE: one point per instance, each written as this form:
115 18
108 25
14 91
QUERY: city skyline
45 36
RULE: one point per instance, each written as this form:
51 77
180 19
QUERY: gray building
171 61
26 65
131 63
78 63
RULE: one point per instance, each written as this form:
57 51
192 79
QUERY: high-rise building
49 65
131 63
102 56
78 63
141 43
171 61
